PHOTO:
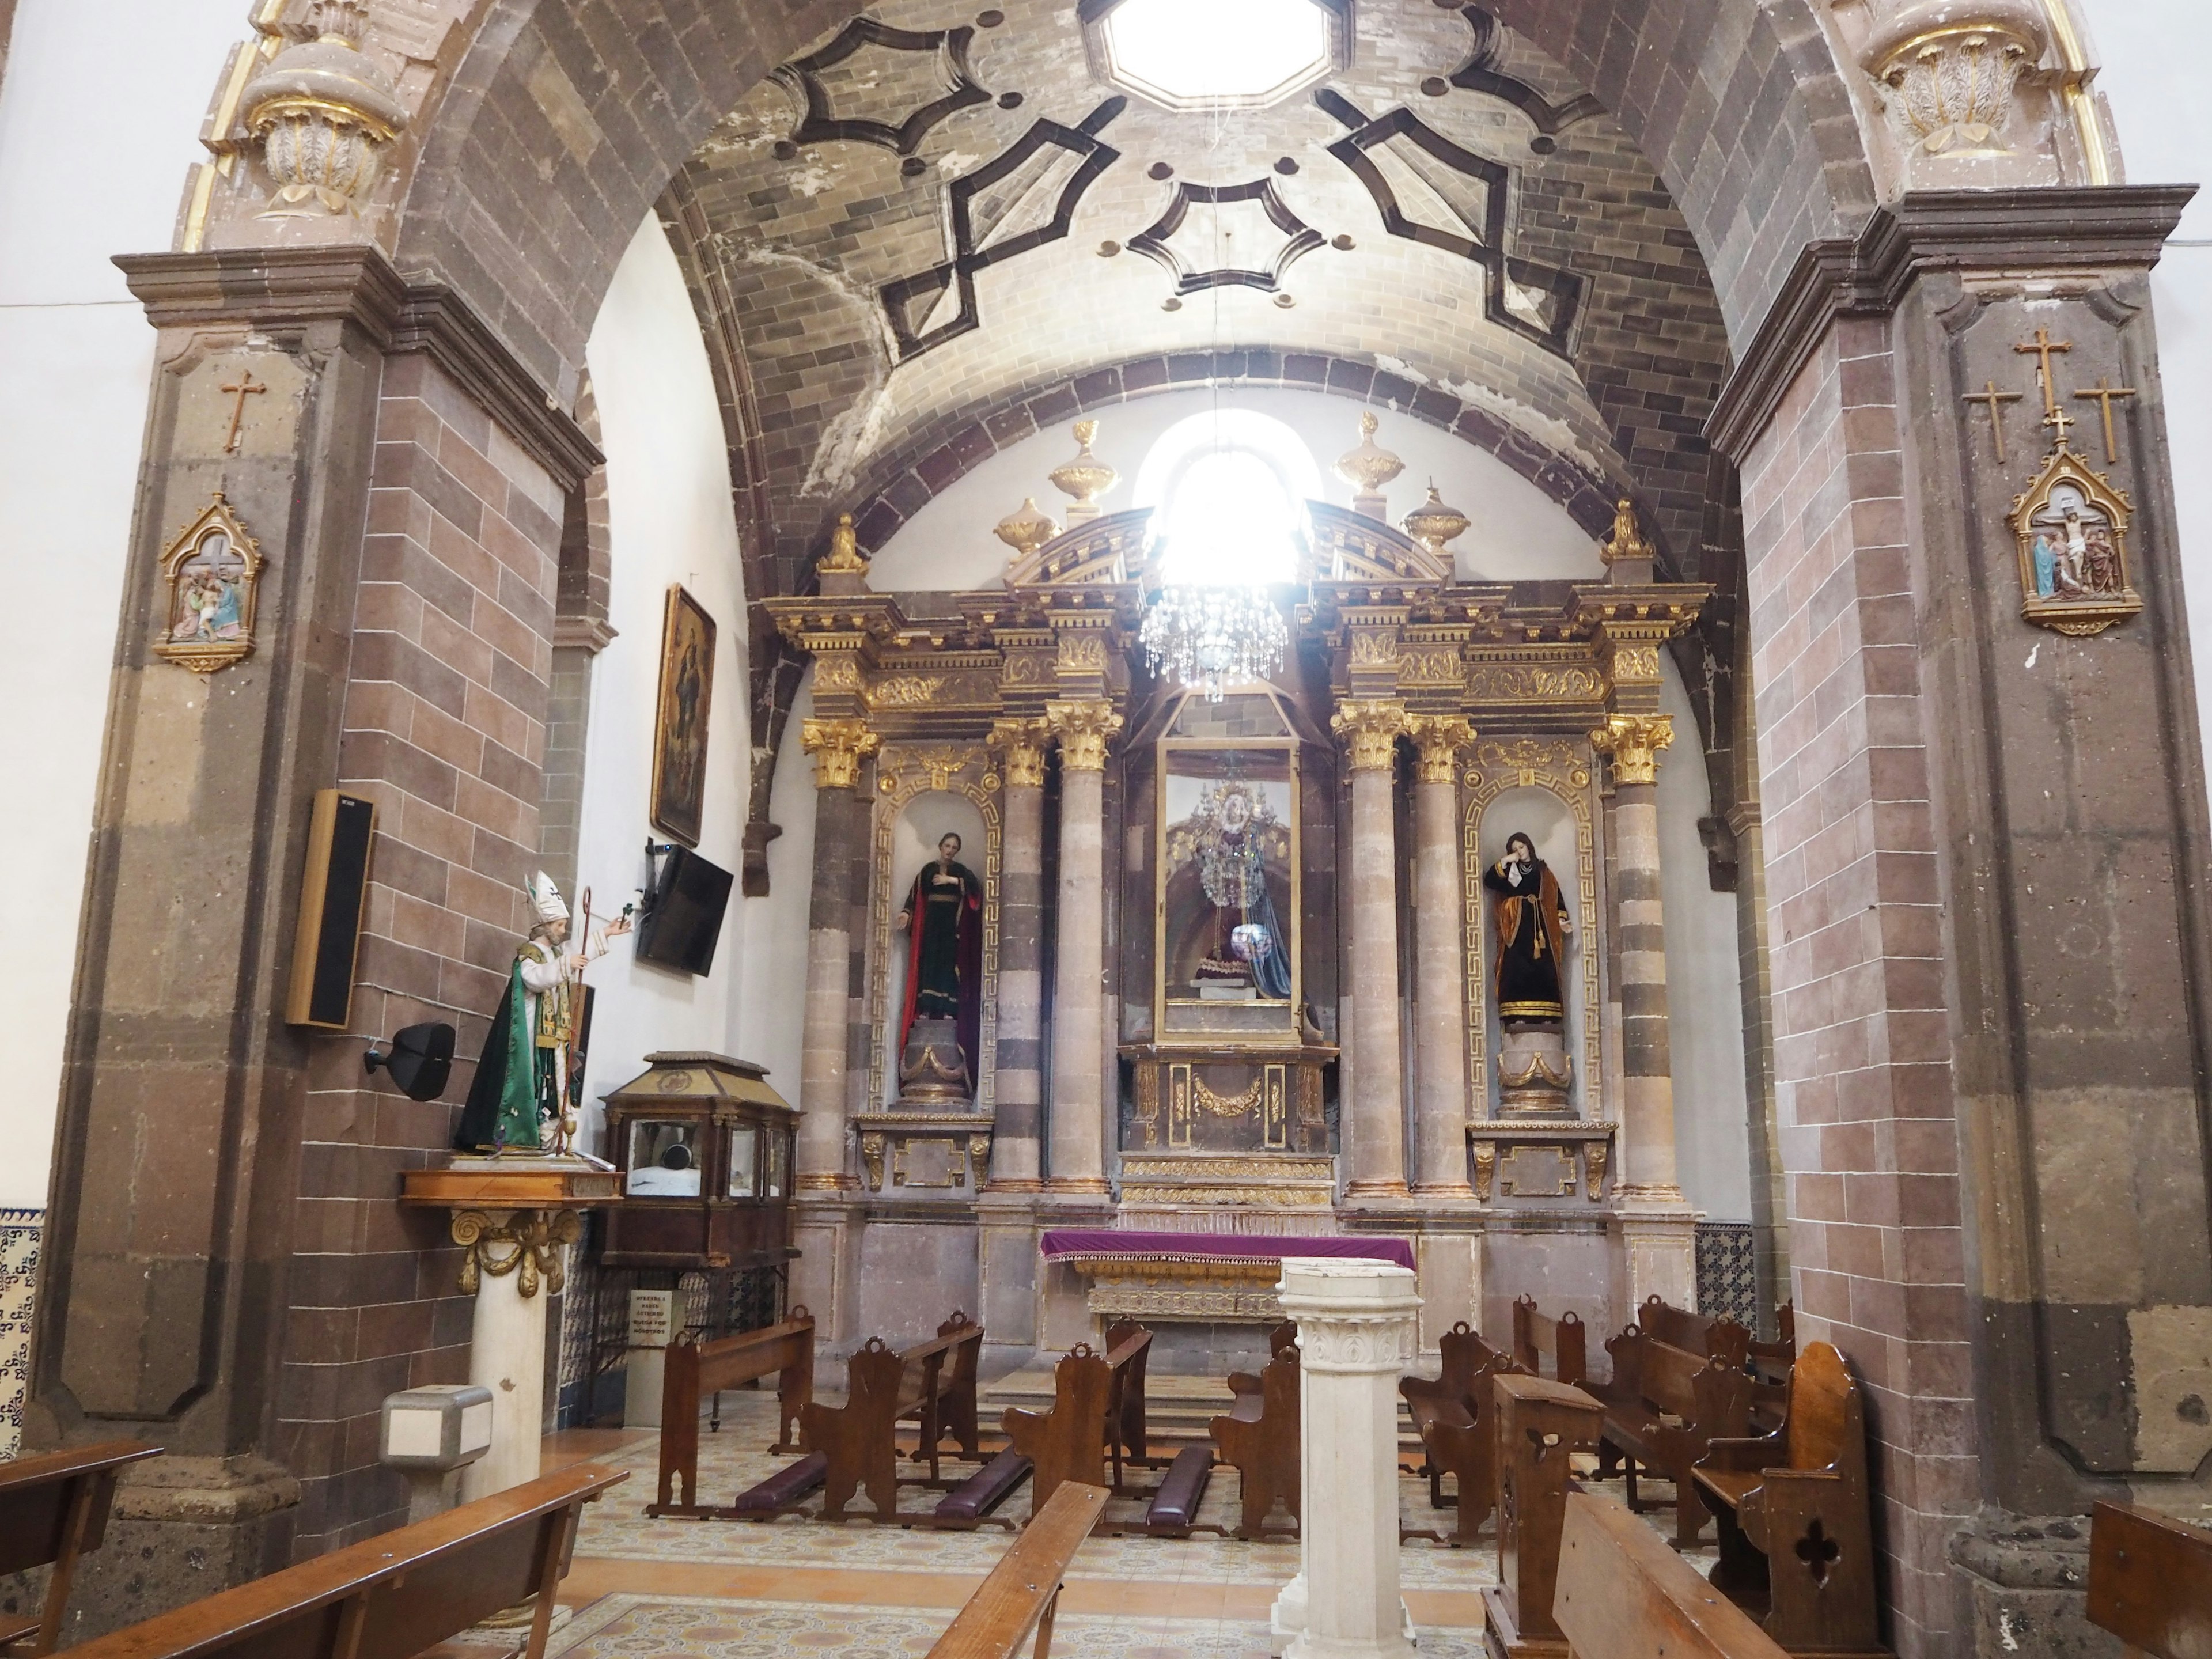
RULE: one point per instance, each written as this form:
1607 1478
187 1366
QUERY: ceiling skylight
1217 54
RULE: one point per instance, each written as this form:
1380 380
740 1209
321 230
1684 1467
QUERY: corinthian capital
1084 726
1019 745
1368 728
838 748
1632 743
1438 739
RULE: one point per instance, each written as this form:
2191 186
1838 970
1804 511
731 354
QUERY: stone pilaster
1658 1247
1019 1092
1440 1110
1376 1128
1084 728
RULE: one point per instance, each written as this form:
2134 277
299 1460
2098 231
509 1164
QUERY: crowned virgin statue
1230 835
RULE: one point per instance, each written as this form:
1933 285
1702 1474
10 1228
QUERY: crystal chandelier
1208 636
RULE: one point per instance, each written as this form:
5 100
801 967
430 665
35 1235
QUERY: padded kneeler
1175 1503
785 1487
985 1490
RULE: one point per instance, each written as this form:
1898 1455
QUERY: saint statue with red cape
943 921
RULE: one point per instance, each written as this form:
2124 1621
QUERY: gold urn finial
1086 478
844 557
1433 524
1367 469
1026 530
1626 543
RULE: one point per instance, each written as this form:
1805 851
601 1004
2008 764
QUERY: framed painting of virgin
679 733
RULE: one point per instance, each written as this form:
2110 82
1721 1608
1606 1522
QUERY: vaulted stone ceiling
937 229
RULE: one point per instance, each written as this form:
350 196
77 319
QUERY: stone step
1177 1409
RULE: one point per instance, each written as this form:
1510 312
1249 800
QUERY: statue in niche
1232 835
1532 924
527 1090
941 1028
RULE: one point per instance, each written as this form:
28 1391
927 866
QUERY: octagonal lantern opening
1224 54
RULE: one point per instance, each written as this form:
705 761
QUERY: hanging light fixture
1210 637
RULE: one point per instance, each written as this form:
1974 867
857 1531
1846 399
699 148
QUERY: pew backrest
1068 1442
1563 1340
1623 1593
1825 1427
53 1509
1714 1336
1021 1594
395 1594
2150 1580
693 1370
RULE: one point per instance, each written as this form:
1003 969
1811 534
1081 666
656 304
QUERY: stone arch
564 123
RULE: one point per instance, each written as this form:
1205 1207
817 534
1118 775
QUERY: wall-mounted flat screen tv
682 919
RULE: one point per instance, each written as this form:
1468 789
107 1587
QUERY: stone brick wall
444 727
1861 1048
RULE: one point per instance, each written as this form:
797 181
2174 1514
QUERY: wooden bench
1561 1340
1664 1406
1796 1541
1541 1425
1716 1337
784 1351
1451 1413
398 1593
53 1509
1623 1594
1259 1438
1068 1443
2150 1580
1128 1346
933 1382
1773 1360
1022 1592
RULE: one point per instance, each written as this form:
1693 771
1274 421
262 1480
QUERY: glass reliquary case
704 1146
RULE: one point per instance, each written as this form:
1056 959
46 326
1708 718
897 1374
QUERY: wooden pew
1663 1408
1128 1346
1022 1592
1796 1539
1623 1594
1717 1337
1259 1438
1068 1443
1451 1413
933 1381
785 1351
1562 1341
398 1593
1540 1425
53 1509
1281 1338
2150 1580
1773 1360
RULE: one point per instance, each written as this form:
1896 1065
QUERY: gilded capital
1084 726
838 748
1632 743
1019 745
1438 739
1370 728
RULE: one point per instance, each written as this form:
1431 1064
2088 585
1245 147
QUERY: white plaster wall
2153 53
77 358
1519 533
668 499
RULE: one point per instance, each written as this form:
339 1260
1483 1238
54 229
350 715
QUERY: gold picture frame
2071 525
211 581
680 717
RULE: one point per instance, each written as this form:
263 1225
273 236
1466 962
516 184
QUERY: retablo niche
941 1025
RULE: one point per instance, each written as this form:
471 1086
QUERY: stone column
1083 727
1440 1109
1376 1130
512 1262
822 1277
1656 1226
1020 1088
1356 1335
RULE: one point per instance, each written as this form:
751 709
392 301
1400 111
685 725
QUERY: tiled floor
641 1587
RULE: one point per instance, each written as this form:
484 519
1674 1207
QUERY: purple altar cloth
1218 1247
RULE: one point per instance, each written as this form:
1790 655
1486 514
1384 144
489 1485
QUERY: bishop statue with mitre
520 1099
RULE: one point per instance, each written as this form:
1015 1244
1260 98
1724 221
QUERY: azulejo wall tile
20 1231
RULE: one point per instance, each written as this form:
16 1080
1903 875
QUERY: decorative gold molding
1526 683
1632 743
1485 1169
1020 745
872 1159
1439 738
533 1241
838 748
1370 728
1084 726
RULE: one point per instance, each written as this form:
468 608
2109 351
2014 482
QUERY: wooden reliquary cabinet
704 1148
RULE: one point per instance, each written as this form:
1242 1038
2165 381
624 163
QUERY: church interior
1198 828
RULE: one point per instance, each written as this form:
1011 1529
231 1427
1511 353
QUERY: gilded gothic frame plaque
2071 526
211 584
